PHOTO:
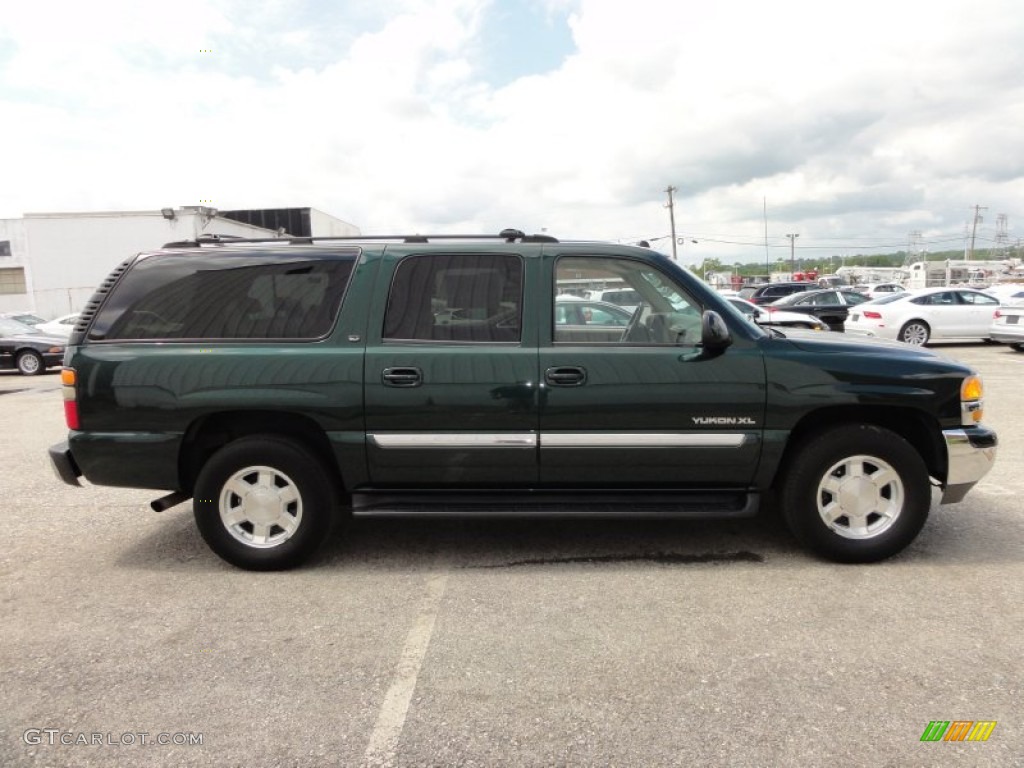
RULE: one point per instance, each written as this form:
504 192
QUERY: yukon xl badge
723 421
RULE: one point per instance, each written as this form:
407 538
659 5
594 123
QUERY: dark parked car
769 292
28 350
830 305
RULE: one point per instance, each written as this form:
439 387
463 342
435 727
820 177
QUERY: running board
691 504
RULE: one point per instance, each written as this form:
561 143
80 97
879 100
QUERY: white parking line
390 720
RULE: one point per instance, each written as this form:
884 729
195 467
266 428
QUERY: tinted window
463 297
944 298
226 296
967 297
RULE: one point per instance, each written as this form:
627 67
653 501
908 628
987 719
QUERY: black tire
1016 347
878 501
264 503
30 363
915 332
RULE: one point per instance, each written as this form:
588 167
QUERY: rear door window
456 297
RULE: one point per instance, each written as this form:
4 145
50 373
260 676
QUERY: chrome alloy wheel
29 363
260 507
914 333
860 497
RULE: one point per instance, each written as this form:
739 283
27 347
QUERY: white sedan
61 326
1008 325
930 314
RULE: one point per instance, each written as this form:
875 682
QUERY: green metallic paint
137 400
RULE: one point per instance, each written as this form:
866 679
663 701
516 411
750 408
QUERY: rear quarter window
226 296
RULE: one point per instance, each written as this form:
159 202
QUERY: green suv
280 384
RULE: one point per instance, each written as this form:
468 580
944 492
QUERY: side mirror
714 333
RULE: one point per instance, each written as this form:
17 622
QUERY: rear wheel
1017 347
856 494
915 332
264 502
30 363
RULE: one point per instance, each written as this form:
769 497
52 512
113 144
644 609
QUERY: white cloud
864 119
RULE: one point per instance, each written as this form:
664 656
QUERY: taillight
872 315
997 315
68 380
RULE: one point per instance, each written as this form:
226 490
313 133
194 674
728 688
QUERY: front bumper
63 463
970 452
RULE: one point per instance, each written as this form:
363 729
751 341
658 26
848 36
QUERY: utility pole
792 254
974 229
1002 236
767 258
672 218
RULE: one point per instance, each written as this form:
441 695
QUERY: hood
840 343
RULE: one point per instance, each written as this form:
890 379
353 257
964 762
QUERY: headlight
971 401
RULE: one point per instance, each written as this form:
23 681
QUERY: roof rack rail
508 235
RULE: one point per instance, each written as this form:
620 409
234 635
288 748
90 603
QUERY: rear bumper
971 452
1004 335
63 463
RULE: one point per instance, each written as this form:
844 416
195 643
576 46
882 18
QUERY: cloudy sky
852 124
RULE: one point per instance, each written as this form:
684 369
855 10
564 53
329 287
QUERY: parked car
275 385
626 298
779 318
586 320
24 317
1007 293
926 315
830 305
877 290
766 293
1008 325
28 350
59 326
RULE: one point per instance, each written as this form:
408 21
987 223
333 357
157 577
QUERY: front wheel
30 363
1017 347
856 494
264 503
915 332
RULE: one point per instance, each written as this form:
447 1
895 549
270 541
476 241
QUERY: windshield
11 327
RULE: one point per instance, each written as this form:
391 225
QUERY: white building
50 263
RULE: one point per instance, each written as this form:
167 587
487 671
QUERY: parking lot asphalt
502 643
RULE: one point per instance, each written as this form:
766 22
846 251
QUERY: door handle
402 377
566 376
